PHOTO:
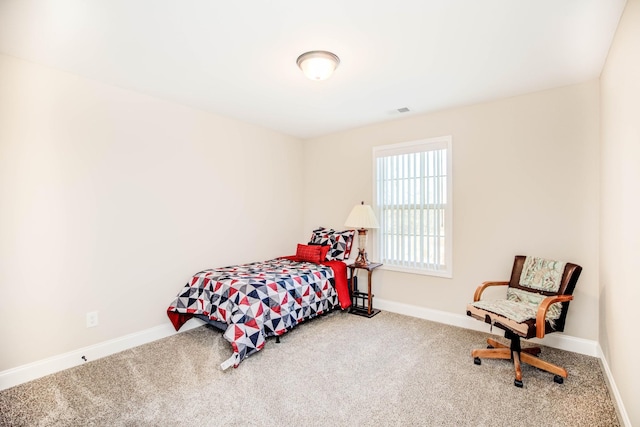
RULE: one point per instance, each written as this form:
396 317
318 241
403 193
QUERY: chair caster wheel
477 361
558 379
517 383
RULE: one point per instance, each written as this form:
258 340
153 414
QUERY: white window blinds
413 204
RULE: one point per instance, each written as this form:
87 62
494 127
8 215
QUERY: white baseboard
622 412
51 365
560 341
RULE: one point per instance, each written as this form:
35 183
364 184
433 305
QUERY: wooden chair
536 304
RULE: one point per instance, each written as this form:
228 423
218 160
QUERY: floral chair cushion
542 274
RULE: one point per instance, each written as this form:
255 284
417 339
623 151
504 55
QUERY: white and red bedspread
261 299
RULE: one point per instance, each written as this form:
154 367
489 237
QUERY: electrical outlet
92 319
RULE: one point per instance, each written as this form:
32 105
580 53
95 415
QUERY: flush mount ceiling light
318 64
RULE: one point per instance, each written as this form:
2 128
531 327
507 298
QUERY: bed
251 302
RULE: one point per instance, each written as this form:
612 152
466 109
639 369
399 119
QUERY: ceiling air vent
403 110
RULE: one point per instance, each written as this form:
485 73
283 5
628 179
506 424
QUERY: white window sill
443 274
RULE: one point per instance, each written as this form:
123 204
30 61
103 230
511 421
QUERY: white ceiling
238 58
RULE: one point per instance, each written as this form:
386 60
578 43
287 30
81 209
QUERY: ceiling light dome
318 64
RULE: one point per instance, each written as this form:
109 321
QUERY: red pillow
310 253
324 250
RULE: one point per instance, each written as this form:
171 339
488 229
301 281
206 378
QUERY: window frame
421 145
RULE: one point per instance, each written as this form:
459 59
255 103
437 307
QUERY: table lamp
362 218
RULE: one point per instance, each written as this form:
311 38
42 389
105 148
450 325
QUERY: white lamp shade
318 64
362 216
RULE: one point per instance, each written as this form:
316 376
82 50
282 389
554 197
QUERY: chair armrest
541 316
485 285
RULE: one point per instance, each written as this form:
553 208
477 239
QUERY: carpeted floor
339 369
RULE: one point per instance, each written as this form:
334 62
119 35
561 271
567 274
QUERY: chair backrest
566 286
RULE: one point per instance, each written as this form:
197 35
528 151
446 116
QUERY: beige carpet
339 369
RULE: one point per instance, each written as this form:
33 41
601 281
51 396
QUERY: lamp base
361 260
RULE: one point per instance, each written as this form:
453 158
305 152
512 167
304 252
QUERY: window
414 206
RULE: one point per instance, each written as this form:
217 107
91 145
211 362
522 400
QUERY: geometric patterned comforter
256 300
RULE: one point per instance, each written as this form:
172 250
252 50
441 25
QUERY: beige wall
620 208
525 177
110 200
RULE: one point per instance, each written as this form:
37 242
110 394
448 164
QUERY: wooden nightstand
362 302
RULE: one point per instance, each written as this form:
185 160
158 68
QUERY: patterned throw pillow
340 242
321 236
